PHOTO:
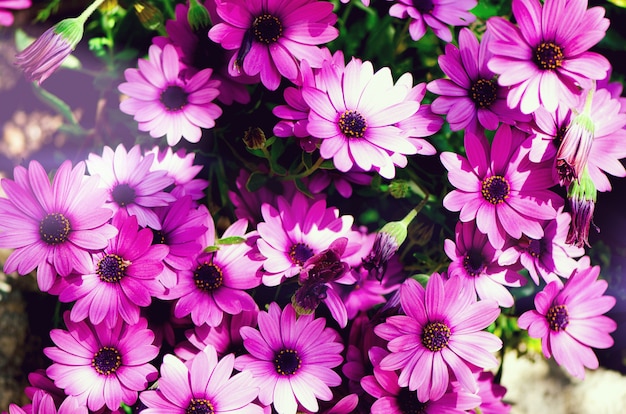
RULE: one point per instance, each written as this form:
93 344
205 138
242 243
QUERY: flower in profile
500 188
101 365
540 60
475 263
180 167
52 226
123 277
6 18
43 403
548 132
291 361
581 196
569 320
271 37
203 385
131 184
436 14
356 117
471 98
440 333
163 103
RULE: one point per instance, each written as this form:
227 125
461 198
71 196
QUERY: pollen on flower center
408 402
495 189
548 56
558 318
174 98
287 362
208 277
473 262
267 29
54 228
111 268
106 361
483 92
123 194
352 124
200 406
535 247
300 253
435 336
158 237
424 6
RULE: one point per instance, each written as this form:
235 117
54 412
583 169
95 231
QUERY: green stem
308 172
89 11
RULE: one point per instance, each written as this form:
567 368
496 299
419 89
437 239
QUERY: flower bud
198 16
581 195
148 14
254 138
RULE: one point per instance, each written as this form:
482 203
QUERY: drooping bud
148 14
581 195
198 16
399 188
254 138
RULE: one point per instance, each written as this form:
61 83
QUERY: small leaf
211 249
232 240
619 3
256 181
302 187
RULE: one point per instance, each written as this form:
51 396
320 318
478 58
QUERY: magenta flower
163 103
440 333
291 361
131 184
6 18
43 403
475 263
341 181
203 385
569 320
471 99
548 131
356 115
436 14
52 226
491 395
500 188
102 365
180 167
271 37
123 277
542 60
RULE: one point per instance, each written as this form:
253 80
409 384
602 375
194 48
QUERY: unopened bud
148 14
198 16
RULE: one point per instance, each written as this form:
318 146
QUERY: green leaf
327 165
211 249
256 181
55 103
231 240
302 187
619 3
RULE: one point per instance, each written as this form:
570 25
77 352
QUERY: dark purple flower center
54 228
408 403
200 406
424 6
267 29
106 361
435 336
473 262
483 92
535 247
158 237
123 194
111 268
208 277
287 362
548 56
560 134
308 296
495 189
174 98
558 318
352 124
300 253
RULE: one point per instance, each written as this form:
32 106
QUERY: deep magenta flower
203 385
6 18
122 279
491 395
163 103
440 334
180 167
436 14
102 365
475 263
271 37
130 182
500 188
43 403
291 360
542 59
569 320
52 226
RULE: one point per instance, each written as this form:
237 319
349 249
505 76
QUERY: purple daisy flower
123 277
291 361
163 103
356 115
569 320
271 36
471 98
436 14
6 18
548 131
102 365
491 395
52 226
180 167
542 59
43 403
475 263
500 188
131 185
216 283
203 385
548 257
440 333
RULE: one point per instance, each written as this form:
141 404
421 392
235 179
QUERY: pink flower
6 18
43 403
569 320
180 167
